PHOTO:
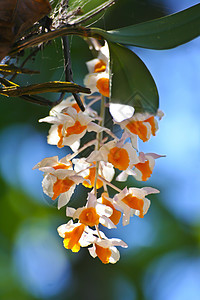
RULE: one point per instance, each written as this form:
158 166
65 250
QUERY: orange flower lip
100 67
76 107
119 158
61 166
116 215
89 217
91 177
103 86
61 186
103 254
151 121
144 168
77 128
60 127
138 128
71 240
134 203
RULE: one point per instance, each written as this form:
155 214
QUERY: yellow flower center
119 158
89 217
103 254
144 168
71 240
103 86
61 186
100 67
116 215
135 203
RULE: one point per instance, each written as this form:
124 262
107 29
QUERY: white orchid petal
70 211
75 146
91 64
94 127
91 200
150 190
47 162
104 53
118 242
50 119
125 220
155 155
47 184
90 81
104 210
83 241
108 171
115 255
92 251
95 156
77 212
64 198
107 222
142 157
138 174
65 228
146 206
123 176
121 112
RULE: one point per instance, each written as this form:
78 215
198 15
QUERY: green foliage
85 9
164 33
131 82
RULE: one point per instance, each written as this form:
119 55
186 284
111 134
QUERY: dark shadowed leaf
131 82
53 86
15 17
11 69
163 33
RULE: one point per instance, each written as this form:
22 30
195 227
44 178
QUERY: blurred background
163 258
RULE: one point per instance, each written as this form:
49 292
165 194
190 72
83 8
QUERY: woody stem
68 69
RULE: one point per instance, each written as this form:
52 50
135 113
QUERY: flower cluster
108 155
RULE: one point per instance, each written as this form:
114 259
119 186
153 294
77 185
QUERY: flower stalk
99 139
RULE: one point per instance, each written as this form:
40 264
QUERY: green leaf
131 81
82 10
163 33
53 86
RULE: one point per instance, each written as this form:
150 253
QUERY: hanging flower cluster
107 154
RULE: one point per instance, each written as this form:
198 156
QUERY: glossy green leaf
131 81
53 86
82 10
163 33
